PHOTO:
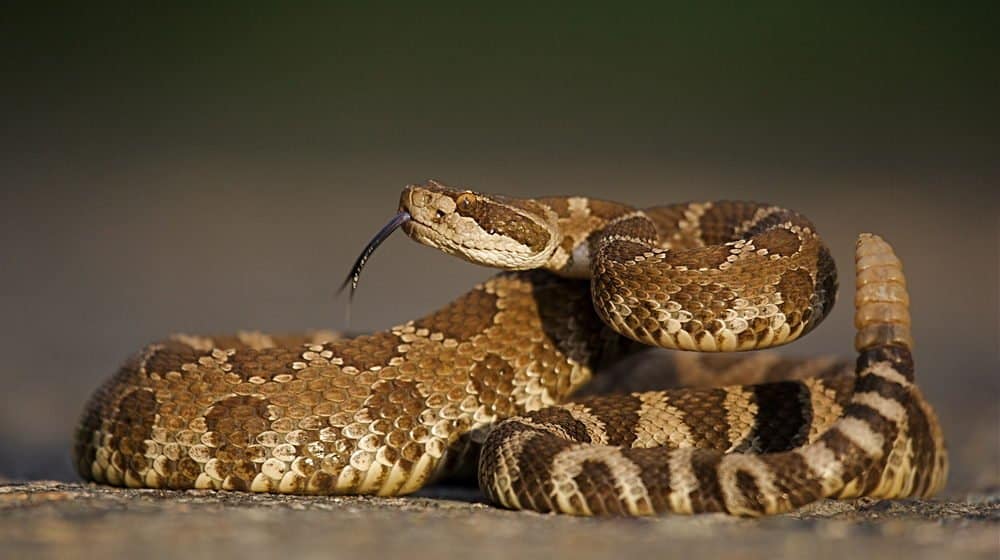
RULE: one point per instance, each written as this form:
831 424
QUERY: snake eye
465 201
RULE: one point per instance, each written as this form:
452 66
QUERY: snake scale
588 282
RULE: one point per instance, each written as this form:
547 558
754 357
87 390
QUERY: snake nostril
439 214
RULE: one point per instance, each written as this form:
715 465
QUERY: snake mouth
359 264
415 223
427 234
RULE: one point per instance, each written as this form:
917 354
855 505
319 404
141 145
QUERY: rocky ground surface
67 520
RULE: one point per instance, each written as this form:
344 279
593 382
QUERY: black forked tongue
386 231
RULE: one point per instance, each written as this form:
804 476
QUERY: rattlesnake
385 413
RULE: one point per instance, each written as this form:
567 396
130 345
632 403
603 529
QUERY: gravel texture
66 520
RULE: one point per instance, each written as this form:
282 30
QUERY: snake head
486 229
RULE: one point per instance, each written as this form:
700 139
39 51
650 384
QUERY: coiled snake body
384 413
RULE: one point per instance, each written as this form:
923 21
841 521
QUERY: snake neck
580 223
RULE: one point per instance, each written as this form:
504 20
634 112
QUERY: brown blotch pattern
772 218
667 220
796 289
470 315
263 364
171 356
698 258
381 413
719 222
607 210
233 425
778 241
367 351
637 227
135 414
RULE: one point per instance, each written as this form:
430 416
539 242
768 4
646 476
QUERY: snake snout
428 203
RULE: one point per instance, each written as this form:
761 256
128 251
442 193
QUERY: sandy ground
60 520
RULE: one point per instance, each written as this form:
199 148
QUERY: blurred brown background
202 169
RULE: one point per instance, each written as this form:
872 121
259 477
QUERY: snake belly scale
589 282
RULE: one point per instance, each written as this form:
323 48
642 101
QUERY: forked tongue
355 275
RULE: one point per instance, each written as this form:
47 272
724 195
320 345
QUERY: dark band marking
597 485
534 466
900 358
777 218
607 210
708 496
878 423
620 415
667 220
654 471
585 339
719 221
501 220
619 251
795 480
784 415
562 418
844 451
747 486
892 391
634 227
924 448
826 279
